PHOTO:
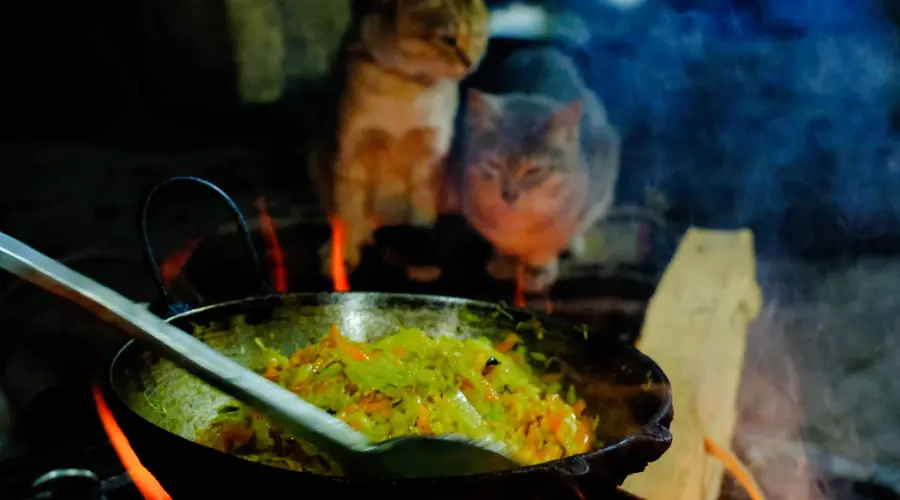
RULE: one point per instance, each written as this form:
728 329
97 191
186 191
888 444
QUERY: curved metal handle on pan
173 305
313 424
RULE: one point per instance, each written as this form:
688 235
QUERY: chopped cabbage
411 383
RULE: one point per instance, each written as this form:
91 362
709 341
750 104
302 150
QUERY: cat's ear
564 122
480 108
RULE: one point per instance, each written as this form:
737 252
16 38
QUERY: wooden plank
695 329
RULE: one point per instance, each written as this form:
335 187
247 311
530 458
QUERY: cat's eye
449 40
532 171
487 175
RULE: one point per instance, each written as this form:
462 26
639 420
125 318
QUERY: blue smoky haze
769 114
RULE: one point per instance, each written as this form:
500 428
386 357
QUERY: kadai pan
161 407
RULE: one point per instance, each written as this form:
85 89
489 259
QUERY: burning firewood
695 329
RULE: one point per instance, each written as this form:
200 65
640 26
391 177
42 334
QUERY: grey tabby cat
540 164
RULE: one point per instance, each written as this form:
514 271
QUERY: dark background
769 114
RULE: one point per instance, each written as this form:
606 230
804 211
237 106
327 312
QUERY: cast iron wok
161 407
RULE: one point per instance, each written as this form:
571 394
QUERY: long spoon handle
306 420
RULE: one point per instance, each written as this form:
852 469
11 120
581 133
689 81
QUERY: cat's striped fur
404 62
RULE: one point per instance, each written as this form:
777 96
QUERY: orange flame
338 271
734 467
174 263
144 481
519 295
275 254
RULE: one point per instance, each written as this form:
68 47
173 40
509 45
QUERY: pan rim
581 462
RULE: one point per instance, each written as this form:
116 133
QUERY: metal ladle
405 457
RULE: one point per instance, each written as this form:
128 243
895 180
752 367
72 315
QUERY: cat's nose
510 196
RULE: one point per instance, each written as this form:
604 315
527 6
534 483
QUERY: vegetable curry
411 383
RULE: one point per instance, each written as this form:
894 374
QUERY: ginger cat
404 62
540 162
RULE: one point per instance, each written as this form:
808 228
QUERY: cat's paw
501 268
539 278
423 274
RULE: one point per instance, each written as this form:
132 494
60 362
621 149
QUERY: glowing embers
145 482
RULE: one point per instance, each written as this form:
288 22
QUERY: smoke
777 115
753 116
818 394
771 414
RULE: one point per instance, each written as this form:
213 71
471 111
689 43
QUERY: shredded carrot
508 343
351 408
335 339
379 405
303 356
271 372
353 352
532 416
734 467
144 481
579 407
423 422
554 420
560 431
